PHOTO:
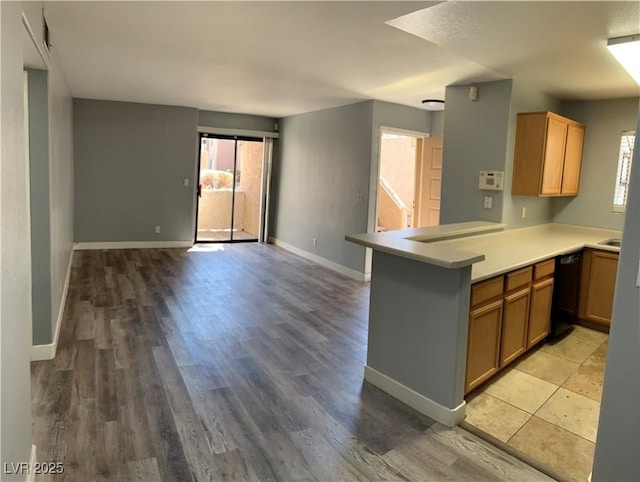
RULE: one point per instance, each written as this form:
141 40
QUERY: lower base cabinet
597 286
484 343
509 315
540 312
513 342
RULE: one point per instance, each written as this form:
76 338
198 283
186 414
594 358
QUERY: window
624 171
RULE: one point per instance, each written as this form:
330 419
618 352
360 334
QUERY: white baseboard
132 245
446 416
31 474
48 352
351 273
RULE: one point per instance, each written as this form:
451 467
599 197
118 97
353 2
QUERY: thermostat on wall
492 180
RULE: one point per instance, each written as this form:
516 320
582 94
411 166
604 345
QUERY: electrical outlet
185 182
314 242
157 229
523 212
488 202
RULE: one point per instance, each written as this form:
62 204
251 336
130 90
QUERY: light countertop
515 248
487 246
419 243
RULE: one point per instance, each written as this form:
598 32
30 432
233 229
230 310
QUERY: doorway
230 197
409 181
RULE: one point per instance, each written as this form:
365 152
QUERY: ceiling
284 58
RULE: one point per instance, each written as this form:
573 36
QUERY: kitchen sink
611 242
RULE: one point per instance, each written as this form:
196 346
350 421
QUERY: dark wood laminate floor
243 362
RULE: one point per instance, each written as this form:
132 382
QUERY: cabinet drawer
545 268
517 279
486 290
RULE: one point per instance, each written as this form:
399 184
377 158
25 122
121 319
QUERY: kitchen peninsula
420 301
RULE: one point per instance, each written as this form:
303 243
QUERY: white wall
15 342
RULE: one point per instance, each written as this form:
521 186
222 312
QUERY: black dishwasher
564 308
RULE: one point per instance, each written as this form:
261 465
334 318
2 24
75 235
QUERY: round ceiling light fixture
433 104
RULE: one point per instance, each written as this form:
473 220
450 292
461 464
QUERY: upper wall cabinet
547 156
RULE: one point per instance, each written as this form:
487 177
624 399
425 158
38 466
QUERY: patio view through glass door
230 188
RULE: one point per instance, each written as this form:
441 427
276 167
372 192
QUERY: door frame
374 180
27 163
235 138
267 139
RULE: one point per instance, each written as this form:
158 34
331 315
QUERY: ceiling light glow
626 50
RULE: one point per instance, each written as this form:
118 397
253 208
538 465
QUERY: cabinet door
597 290
514 326
528 153
540 311
553 157
572 160
483 345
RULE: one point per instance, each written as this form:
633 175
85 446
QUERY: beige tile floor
546 404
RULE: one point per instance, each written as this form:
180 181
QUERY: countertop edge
457 258
415 243
422 244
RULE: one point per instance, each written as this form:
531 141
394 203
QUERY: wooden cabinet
540 312
514 326
547 156
485 325
597 286
509 314
515 317
484 343
541 298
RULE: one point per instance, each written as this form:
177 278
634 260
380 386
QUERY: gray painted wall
40 213
61 182
605 121
400 117
538 210
437 123
418 318
325 159
130 163
616 457
475 140
236 121
15 298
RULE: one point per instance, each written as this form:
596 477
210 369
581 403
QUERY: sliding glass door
230 189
